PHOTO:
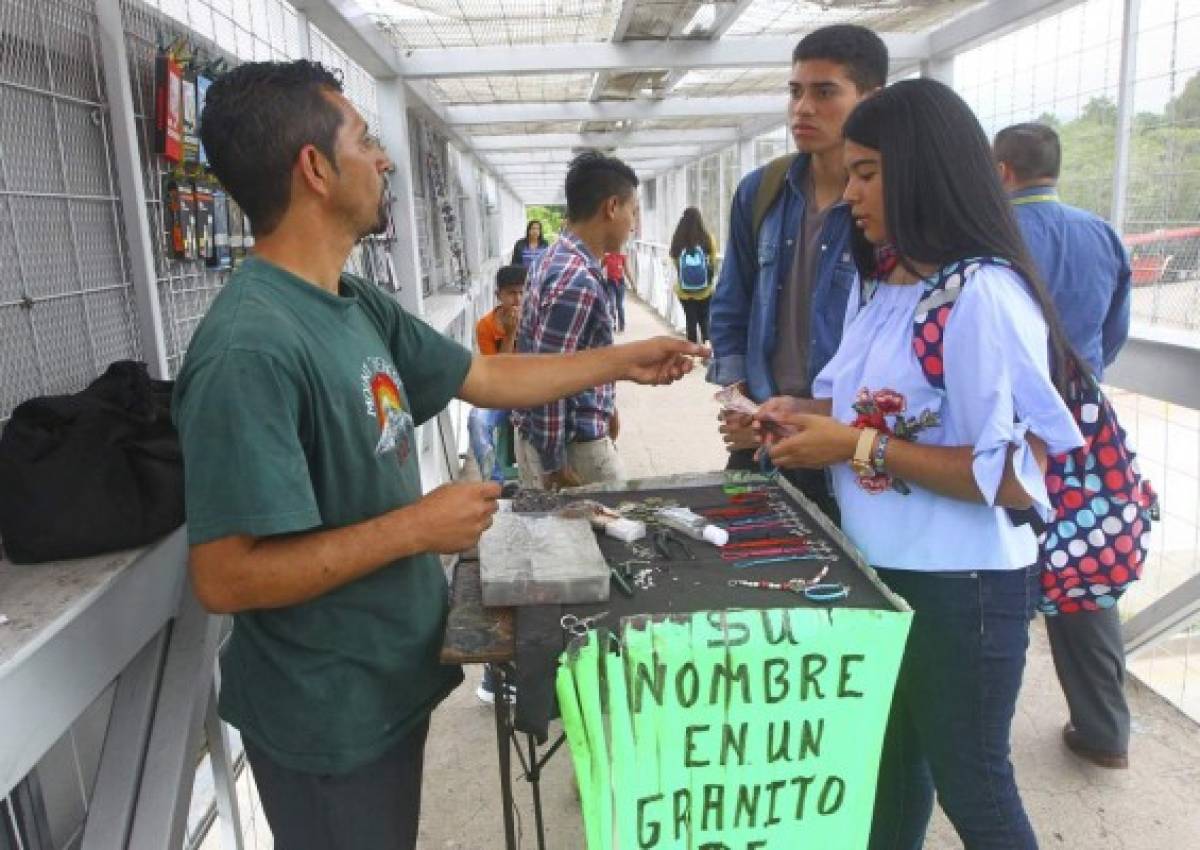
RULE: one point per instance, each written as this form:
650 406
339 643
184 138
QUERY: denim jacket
742 315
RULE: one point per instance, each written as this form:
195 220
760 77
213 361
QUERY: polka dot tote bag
1095 546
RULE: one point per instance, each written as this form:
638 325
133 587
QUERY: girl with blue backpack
693 253
937 416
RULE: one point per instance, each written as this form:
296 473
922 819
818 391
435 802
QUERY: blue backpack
693 270
1095 545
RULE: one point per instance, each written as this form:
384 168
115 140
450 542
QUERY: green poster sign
737 730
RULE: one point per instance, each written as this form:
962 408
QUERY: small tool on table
578 627
671 547
620 582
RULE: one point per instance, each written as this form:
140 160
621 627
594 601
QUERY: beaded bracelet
877 459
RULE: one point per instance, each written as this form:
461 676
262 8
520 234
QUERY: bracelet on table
878 457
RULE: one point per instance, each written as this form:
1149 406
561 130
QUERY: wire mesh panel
1161 222
788 17
710 194
465 23
246 30
185 289
65 296
1063 71
261 30
360 87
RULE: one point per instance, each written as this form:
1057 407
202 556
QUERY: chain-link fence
1161 224
1064 71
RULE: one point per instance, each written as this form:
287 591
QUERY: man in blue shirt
777 313
1086 270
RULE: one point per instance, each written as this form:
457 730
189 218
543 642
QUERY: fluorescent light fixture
704 19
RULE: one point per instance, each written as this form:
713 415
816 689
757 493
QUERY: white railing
655 277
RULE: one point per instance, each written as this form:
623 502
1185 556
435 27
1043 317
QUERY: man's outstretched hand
660 360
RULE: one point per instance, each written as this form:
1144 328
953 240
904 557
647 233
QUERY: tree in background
1164 161
551 218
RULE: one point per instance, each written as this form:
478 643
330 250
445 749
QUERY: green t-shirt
296 409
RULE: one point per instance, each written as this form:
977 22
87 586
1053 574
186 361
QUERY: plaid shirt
567 307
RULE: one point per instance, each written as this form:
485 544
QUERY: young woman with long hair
694 256
935 491
526 251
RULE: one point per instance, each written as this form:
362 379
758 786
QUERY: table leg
535 782
503 731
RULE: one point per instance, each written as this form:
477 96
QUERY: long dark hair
541 232
941 194
690 233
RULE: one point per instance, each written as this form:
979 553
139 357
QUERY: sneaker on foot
485 694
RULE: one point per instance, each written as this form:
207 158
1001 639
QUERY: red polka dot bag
1095 545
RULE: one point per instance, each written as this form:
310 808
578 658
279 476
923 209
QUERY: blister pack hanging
168 107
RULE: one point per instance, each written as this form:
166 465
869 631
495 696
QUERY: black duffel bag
93 472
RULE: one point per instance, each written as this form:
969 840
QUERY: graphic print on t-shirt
381 394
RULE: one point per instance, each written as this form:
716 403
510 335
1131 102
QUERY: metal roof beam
625 152
990 21
600 80
349 27
639 138
726 17
678 54
742 106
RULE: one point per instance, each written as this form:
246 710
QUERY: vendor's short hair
1031 150
592 178
256 119
857 49
510 277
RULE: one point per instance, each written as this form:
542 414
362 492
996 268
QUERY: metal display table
476 634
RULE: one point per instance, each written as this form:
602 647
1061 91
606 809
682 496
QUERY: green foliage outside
1164 161
551 218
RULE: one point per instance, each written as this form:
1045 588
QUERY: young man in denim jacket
776 317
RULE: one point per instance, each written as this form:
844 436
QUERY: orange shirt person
496 332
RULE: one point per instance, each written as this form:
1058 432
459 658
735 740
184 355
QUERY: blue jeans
481 431
620 293
953 709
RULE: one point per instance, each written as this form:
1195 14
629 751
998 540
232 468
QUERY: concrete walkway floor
1155 805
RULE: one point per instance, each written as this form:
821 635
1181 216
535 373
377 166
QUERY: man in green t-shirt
296 406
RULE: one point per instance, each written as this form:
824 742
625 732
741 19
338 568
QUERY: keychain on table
779 553
783 559
760 542
795 585
810 589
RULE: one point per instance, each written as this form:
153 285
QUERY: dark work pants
695 313
813 483
952 712
377 805
1089 657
